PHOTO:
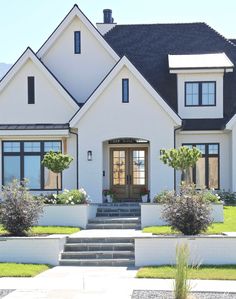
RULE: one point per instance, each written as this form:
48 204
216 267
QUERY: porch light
89 155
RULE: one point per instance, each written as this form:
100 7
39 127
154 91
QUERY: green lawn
21 270
229 225
224 272
47 230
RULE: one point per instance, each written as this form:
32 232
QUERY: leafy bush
228 197
72 197
211 197
50 198
188 211
19 210
163 196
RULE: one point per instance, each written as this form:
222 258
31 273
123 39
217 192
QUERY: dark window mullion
42 167
200 93
22 168
207 167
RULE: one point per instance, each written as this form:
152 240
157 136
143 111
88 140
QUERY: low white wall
215 250
33 250
151 214
67 215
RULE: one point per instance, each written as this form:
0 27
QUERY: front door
128 172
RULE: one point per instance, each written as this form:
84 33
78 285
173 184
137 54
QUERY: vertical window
77 42
23 159
125 90
200 93
206 171
31 90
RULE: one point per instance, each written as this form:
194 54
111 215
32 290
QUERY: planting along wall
36 250
67 215
216 250
151 214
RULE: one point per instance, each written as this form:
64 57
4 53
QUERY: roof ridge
151 24
221 35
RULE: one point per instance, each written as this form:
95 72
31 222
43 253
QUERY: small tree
19 210
181 159
56 162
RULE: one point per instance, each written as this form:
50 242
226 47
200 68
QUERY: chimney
107 16
108 22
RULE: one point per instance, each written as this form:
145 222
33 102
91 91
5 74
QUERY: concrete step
99 247
98 255
114 209
97 262
118 214
101 240
115 220
119 204
113 226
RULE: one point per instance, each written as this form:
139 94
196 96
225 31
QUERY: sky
29 22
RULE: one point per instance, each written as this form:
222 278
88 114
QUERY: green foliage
56 162
72 197
19 210
211 197
227 197
163 196
181 287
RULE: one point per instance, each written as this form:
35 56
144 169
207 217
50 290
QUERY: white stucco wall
224 140
49 107
79 73
200 112
109 118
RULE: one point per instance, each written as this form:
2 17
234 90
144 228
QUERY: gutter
175 130
77 158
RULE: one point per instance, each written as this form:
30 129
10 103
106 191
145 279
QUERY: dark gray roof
148 46
203 124
34 126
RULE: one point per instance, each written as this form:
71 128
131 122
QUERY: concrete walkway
96 283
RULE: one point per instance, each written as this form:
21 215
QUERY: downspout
77 158
175 130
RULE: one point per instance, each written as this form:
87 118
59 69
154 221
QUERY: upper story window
125 90
200 93
77 42
31 90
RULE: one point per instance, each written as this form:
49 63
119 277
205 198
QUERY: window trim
124 100
206 156
199 93
22 153
77 47
31 89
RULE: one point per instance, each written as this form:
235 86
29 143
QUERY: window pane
138 167
119 167
200 173
213 149
52 146
77 42
50 180
201 147
125 90
11 166
32 169
11 147
192 95
213 172
31 146
208 93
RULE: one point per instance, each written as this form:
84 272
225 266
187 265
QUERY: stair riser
113 226
103 247
99 210
115 214
97 263
100 240
95 255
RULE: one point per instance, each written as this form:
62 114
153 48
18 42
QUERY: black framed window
31 90
77 42
200 93
206 173
23 159
125 90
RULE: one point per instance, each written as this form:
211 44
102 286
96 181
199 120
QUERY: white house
112 97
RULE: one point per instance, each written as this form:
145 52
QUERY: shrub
163 197
19 210
50 198
211 197
72 197
228 197
182 286
188 211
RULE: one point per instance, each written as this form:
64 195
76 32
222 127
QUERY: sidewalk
96 283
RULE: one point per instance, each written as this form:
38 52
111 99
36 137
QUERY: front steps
105 251
111 251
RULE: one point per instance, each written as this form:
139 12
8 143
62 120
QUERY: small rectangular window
31 90
77 42
125 90
200 93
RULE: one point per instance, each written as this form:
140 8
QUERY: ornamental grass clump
188 212
19 210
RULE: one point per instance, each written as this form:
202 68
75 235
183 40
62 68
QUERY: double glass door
128 172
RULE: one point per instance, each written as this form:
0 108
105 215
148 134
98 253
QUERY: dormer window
200 93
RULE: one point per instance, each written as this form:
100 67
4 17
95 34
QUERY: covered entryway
129 170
